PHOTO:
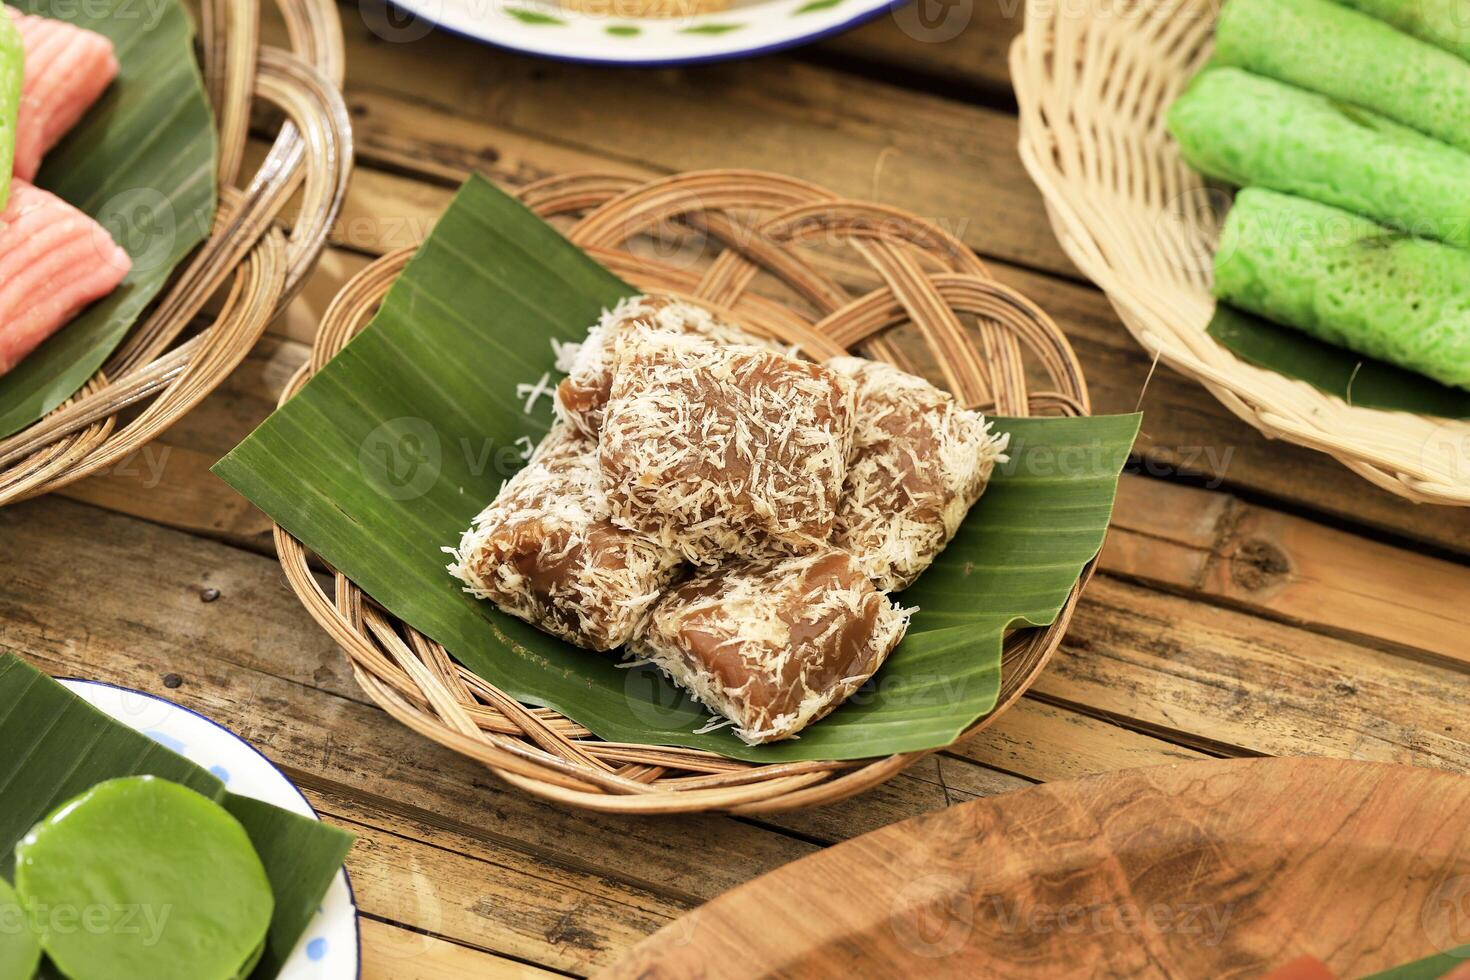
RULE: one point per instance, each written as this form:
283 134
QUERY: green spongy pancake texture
1348 281
1443 23
1251 130
1337 51
143 879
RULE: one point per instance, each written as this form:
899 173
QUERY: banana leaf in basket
386 455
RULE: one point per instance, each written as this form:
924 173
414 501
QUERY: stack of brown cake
729 512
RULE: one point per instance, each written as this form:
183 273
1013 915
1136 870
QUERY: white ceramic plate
543 27
329 950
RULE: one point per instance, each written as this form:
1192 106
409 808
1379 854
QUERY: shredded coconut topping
773 644
918 464
717 450
806 491
544 551
582 395
533 393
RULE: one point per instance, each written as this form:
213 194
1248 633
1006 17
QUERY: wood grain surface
1254 600
1207 869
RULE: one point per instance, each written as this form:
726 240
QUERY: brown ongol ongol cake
730 513
773 644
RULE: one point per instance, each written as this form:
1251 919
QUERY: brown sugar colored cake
919 462
773 644
545 551
583 393
719 450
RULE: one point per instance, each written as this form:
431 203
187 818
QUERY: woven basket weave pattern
928 279
157 371
1094 79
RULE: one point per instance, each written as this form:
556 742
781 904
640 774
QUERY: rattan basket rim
1096 181
248 259
536 749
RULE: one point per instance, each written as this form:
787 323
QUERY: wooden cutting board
1208 869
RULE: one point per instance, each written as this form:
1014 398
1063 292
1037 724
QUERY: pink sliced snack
54 262
67 69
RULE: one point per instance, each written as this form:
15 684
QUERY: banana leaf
1433 967
57 746
1357 380
141 162
386 455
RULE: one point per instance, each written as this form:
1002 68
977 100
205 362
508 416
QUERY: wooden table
1255 598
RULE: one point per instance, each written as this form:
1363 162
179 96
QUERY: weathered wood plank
394 953
1045 742
1230 682
1288 567
944 779
458 888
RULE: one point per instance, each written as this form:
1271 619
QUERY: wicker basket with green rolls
1327 300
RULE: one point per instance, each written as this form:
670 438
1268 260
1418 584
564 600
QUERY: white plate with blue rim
547 28
330 949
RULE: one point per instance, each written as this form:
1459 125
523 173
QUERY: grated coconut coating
773 644
582 395
918 464
545 552
717 450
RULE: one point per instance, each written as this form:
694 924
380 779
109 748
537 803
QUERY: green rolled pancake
1339 52
1443 23
143 879
1250 130
1348 281
12 73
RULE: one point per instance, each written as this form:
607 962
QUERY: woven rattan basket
923 281
170 360
1093 79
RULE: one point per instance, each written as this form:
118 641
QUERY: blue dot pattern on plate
316 949
220 773
165 739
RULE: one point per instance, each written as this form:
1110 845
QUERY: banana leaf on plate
57 746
